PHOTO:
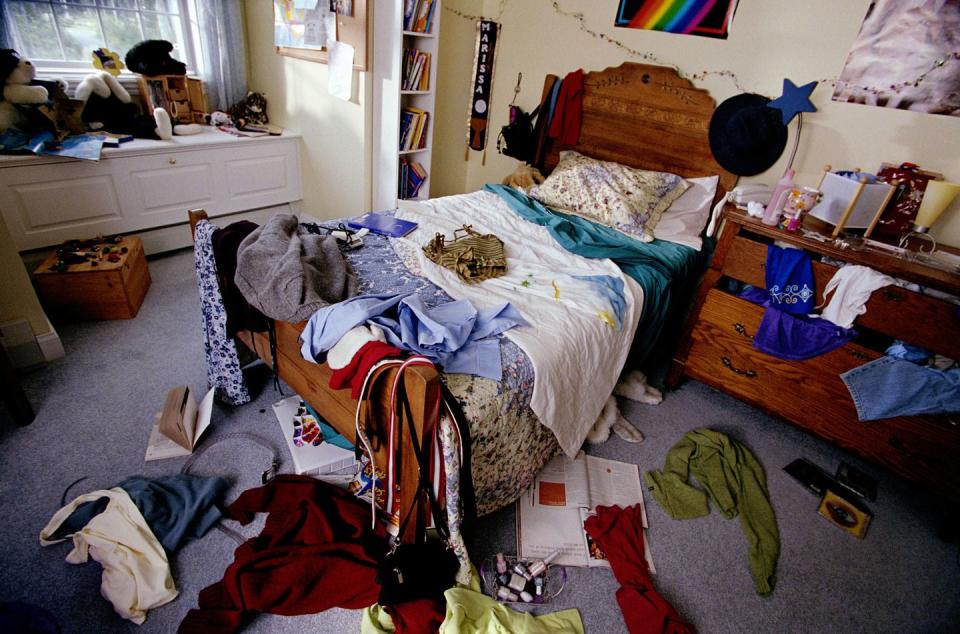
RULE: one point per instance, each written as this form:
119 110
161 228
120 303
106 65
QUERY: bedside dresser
718 351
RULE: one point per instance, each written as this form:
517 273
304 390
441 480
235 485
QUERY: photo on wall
905 56
709 18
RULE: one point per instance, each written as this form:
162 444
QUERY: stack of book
412 176
416 69
418 15
413 128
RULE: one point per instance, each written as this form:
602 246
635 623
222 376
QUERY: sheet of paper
159 447
340 63
614 483
204 413
542 530
563 482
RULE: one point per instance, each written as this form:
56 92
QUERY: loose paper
340 64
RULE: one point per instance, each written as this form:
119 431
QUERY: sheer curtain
223 52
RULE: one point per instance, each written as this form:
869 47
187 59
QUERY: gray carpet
94 411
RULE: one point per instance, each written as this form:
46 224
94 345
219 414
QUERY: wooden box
109 290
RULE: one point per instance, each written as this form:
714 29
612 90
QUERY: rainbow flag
710 18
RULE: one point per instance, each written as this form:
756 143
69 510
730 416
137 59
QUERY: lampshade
937 197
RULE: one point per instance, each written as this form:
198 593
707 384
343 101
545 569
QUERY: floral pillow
609 193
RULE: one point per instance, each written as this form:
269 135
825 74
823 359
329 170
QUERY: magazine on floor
551 513
311 453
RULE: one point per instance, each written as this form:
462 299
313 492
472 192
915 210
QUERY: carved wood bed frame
638 115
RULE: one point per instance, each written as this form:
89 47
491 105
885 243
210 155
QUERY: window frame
74 70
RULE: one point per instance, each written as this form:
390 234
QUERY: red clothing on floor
568 113
356 371
619 533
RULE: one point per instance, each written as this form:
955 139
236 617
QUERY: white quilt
577 356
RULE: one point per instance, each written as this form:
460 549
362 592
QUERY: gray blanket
288 273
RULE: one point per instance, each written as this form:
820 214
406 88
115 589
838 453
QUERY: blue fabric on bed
663 269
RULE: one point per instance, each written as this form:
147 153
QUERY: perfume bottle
539 566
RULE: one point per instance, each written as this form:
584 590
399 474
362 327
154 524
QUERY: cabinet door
47 204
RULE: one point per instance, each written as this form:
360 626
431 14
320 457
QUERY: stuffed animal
524 177
108 106
17 75
218 118
152 57
253 110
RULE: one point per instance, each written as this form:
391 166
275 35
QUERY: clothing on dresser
223 363
288 273
789 279
889 386
240 314
797 337
734 481
852 286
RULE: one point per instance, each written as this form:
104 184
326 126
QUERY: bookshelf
405 100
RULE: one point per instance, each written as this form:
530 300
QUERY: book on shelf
424 16
551 513
412 176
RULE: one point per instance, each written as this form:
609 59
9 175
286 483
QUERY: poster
710 18
905 57
303 23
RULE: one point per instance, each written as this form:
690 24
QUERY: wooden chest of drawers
810 394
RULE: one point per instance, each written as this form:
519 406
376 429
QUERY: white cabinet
391 98
145 185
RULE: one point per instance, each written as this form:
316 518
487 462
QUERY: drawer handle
857 354
747 373
172 161
893 296
741 329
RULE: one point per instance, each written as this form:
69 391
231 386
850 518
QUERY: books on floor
305 440
178 428
551 513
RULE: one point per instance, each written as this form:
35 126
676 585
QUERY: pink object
771 215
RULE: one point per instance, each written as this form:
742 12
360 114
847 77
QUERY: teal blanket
666 271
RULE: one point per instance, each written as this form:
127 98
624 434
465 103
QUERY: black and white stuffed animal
108 106
17 76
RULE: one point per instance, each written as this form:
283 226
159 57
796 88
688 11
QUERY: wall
18 300
335 152
769 40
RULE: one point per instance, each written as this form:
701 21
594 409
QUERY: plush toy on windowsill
21 90
152 57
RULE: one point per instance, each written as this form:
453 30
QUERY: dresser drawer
811 394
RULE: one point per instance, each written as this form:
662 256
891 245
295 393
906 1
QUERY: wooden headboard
645 117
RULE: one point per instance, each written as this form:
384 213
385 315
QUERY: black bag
517 139
426 568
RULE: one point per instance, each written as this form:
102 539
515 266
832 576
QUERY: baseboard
51 346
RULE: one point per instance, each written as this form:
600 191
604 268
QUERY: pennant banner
485 56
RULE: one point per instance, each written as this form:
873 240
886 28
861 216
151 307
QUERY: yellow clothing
136 573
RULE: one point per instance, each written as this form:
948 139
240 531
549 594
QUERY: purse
517 139
424 568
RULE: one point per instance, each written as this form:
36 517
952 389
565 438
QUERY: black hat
9 60
747 136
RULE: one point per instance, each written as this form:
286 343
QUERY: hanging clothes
223 363
733 479
789 278
568 112
619 534
888 387
852 286
240 314
136 572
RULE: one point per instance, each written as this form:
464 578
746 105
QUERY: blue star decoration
794 100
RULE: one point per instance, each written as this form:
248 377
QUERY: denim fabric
905 351
789 280
891 387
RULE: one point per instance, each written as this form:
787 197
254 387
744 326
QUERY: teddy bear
252 110
19 88
152 57
108 106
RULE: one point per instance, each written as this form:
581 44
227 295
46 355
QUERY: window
60 35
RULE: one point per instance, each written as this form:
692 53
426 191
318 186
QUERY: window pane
34 23
79 31
164 27
121 4
122 30
168 6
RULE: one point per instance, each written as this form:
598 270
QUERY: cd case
383 224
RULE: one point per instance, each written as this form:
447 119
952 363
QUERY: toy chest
105 290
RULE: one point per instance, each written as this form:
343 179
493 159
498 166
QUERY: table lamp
936 198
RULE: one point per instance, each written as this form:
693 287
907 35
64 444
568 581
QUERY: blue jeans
891 387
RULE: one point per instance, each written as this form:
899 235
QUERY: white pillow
684 220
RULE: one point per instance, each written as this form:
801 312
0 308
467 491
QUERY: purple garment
796 337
